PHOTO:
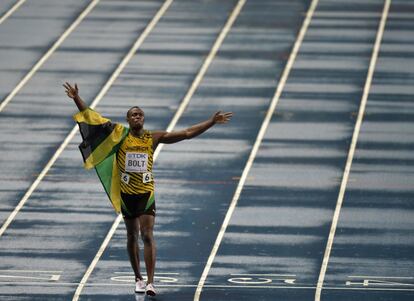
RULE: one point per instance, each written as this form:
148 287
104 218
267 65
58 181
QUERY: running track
306 194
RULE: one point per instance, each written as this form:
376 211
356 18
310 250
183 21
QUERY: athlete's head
135 118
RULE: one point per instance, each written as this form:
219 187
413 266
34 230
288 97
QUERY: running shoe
150 290
140 286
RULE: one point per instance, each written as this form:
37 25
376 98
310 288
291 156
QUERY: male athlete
123 159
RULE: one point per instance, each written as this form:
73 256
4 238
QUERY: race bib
146 177
136 162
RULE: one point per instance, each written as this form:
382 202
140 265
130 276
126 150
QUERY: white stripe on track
255 148
214 286
203 69
46 56
11 10
354 141
97 99
170 127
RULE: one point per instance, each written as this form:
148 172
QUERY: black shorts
135 205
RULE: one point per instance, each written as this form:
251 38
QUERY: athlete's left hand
220 117
71 92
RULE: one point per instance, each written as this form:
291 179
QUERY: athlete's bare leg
147 226
132 226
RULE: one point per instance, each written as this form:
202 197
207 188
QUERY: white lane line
203 69
270 275
380 277
97 99
170 127
158 274
255 148
352 151
46 56
11 10
30 271
227 287
50 278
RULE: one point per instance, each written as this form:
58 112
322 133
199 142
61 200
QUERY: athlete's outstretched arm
73 92
191 132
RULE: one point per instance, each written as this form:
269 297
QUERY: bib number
146 177
125 178
136 162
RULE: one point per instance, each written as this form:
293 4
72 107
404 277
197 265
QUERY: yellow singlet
134 160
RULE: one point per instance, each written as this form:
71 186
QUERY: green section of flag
101 141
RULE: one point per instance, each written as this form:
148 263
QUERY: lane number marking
379 281
252 279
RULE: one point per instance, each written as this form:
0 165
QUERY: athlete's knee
147 237
132 236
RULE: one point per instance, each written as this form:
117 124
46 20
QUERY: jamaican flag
101 140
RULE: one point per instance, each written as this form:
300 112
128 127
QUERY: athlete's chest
136 153
142 144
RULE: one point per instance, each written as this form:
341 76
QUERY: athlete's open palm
220 117
70 91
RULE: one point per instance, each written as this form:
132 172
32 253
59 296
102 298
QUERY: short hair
134 107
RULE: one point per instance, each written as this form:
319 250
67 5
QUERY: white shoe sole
151 293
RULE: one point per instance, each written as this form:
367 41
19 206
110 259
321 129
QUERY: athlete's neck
136 132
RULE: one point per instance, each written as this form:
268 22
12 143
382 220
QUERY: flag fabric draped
101 140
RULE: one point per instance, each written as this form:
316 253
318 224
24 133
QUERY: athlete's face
136 118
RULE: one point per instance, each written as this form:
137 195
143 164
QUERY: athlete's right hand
70 91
